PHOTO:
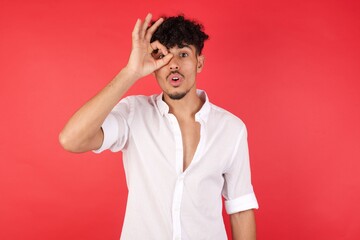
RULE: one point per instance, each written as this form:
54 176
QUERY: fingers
139 30
145 25
156 45
153 28
163 61
143 31
135 32
147 56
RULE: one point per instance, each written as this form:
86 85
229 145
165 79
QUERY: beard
177 96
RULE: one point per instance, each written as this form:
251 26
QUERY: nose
173 64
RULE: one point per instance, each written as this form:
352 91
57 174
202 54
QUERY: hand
141 61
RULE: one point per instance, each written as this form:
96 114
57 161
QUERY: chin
177 95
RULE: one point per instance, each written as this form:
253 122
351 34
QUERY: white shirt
165 202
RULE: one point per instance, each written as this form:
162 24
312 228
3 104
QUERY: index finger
153 28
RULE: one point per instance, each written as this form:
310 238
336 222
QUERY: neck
186 107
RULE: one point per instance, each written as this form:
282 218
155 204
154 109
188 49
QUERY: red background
289 69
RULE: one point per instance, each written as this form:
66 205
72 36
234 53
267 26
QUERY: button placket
176 208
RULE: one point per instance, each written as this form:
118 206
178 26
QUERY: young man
180 152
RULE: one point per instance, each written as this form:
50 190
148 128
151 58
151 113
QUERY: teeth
175 78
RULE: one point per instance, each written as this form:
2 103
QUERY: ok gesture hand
141 61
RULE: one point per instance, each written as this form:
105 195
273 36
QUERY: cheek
160 77
158 73
190 66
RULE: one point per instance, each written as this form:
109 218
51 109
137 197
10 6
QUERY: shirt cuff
242 203
110 129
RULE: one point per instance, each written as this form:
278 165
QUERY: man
181 153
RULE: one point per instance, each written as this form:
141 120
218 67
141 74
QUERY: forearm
243 226
83 130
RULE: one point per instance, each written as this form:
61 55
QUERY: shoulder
140 100
220 113
134 103
133 106
226 119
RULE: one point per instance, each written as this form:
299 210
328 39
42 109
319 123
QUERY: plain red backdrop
289 69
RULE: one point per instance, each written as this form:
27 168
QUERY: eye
184 54
157 54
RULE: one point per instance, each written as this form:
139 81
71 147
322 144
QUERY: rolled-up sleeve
238 190
116 127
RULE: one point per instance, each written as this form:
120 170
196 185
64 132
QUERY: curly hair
178 31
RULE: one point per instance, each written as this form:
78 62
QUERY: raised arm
83 130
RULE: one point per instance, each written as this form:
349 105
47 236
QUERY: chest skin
190 132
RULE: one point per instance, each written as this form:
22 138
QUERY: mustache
175 72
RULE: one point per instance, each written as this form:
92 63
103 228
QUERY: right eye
157 54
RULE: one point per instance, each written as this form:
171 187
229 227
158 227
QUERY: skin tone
175 70
243 225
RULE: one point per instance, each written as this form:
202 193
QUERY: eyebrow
182 46
185 46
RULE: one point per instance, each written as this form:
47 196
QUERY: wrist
130 74
127 77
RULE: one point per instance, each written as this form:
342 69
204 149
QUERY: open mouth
175 79
175 75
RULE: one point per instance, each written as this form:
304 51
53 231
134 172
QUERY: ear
200 63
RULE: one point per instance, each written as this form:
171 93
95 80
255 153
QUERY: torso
190 131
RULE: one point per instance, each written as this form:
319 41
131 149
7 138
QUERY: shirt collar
203 113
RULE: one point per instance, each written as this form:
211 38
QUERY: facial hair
177 96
